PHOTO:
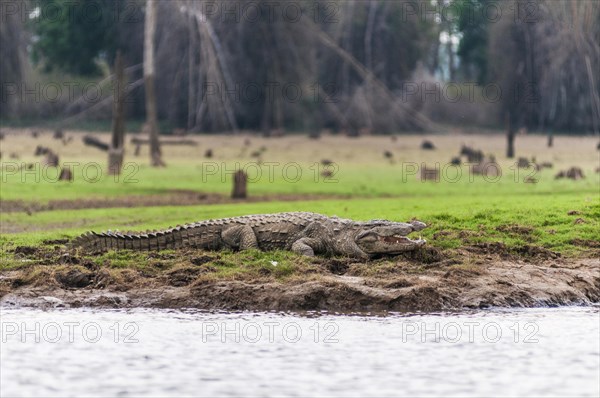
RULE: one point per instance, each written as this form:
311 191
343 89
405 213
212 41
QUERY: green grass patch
541 220
91 181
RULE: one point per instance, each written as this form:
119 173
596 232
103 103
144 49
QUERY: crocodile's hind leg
240 237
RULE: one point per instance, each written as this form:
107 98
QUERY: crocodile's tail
171 238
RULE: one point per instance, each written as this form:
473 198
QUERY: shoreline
396 285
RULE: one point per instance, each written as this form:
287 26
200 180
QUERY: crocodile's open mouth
391 244
399 239
391 239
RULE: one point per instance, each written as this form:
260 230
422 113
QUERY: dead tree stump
51 159
326 174
240 182
574 173
427 145
430 174
66 174
523 163
473 155
487 167
41 150
90 140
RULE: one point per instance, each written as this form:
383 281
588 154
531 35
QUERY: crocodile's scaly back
272 230
304 233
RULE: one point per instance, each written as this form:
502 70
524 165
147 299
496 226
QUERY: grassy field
559 215
292 165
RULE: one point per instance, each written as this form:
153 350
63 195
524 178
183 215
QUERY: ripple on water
534 352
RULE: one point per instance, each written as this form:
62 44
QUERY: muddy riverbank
462 279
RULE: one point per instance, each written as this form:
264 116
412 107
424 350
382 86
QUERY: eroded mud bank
445 281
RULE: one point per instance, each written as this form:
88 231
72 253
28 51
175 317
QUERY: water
537 352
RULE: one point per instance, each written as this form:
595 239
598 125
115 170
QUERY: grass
176 267
350 180
224 265
516 221
291 165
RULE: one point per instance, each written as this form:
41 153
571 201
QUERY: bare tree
13 58
151 113
207 74
115 153
214 68
192 51
550 63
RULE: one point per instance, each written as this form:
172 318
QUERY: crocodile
301 232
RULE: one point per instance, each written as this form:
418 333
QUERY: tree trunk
266 124
550 139
115 153
510 137
369 59
151 115
347 45
451 67
90 140
192 46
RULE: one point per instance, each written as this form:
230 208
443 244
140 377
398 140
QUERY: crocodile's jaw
398 244
394 244
389 239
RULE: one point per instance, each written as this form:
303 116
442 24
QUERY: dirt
434 280
170 198
586 243
531 253
515 229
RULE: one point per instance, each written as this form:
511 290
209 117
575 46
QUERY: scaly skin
303 233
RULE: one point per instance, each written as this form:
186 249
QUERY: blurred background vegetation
240 65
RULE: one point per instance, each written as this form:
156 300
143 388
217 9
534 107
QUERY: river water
529 352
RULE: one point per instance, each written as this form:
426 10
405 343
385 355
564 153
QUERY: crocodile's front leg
240 237
314 239
308 246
